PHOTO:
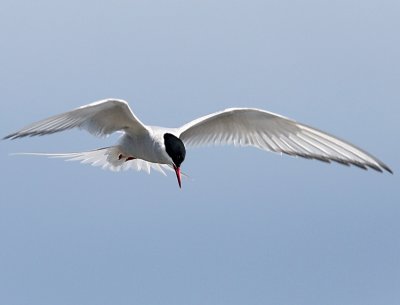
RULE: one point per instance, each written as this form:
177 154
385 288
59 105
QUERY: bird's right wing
273 132
100 118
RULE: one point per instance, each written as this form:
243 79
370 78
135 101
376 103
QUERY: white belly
148 147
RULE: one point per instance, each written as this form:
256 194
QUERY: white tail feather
111 158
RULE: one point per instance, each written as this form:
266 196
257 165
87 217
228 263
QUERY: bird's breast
146 147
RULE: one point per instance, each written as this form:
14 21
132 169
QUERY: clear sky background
249 227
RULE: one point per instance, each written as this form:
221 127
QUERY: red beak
178 175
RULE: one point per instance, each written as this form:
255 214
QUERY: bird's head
176 151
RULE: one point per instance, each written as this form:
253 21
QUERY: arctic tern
143 147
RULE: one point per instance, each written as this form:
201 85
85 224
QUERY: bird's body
151 148
143 147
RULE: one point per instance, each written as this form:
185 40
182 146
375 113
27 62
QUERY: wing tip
379 167
386 168
18 135
10 137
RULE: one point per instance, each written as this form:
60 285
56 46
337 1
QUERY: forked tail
112 158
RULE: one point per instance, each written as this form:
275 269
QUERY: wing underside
272 132
100 118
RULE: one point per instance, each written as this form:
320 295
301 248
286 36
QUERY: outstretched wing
272 132
100 118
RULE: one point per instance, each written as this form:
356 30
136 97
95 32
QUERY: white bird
143 147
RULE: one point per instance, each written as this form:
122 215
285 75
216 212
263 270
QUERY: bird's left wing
272 132
100 118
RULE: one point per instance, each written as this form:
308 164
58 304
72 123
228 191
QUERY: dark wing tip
10 136
364 166
16 135
386 168
24 134
381 166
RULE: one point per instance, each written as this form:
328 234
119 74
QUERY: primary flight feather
143 147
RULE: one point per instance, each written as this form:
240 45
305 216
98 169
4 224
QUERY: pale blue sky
250 227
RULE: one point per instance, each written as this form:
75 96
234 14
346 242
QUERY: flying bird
144 147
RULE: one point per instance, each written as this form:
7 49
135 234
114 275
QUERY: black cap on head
175 149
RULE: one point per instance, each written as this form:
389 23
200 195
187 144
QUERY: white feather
100 118
238 126
273 132
106 158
